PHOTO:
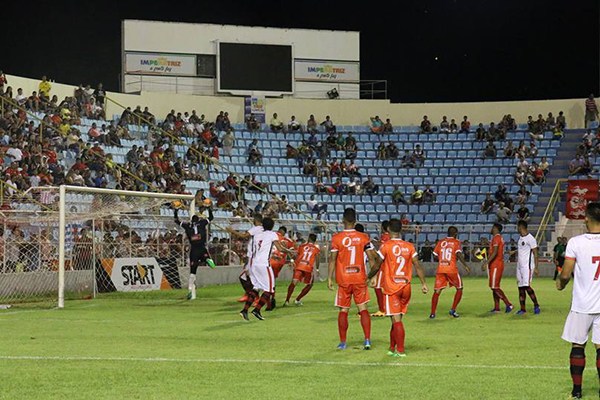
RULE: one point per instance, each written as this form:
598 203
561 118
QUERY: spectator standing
591 110
44 88
228 142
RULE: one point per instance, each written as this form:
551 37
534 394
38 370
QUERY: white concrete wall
343 112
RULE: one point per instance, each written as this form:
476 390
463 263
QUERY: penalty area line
268 361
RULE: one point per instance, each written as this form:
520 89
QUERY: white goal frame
64 189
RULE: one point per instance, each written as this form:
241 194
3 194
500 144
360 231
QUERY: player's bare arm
421 275
374 261
536 270
461 258
331 269
282 248
238 234
565 275
491 258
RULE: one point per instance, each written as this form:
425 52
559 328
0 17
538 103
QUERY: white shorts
524 276
262 278
578 327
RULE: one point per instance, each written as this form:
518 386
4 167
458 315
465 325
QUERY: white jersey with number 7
585 250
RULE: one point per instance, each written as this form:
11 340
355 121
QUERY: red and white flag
579 194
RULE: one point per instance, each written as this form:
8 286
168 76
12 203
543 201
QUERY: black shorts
199 254
560 261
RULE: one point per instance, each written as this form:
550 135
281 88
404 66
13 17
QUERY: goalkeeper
197 233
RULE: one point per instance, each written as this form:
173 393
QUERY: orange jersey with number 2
396 269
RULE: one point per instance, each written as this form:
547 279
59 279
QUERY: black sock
252 295
598 362
532 295
577 365
522 298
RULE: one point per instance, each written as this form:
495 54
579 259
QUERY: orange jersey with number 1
446 251
307 254
396 269
350 246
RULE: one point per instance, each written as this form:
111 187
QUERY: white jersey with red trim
261 248
585 250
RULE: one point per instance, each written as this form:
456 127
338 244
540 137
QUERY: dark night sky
487 49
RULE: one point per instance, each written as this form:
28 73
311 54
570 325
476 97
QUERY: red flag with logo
579 194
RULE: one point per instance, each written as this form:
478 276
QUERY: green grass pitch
159 346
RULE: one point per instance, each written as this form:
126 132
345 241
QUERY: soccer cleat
243 299
378 314
271 305
494 310
391 353
508 309
258 315
431 316
536 310
298 303
398 354
521 312
341 346
576 395
286 304
367 345
191 295
211 263
454 314
244 315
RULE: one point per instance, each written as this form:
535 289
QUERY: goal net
75 242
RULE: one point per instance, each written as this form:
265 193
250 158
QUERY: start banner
134 274
579 194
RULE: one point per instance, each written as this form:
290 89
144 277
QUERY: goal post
107 208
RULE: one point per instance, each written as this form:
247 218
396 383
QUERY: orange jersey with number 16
446 251
396 269
350 246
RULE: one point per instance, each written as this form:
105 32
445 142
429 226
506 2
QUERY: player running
527 265
279 259
583 258
385 236
396 273
304 266
495 267
197 234
447 251
347 261
261 273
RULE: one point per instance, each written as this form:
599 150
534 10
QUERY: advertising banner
326 71
579 194
255 105
133 274
160 64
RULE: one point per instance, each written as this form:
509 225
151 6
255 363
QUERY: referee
197 233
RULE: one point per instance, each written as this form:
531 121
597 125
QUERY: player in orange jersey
385 236
495 267
448 251
308 254
347 262
279 259
396 273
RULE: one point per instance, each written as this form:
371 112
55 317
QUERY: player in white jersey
582 258
248 235
260 270
527 266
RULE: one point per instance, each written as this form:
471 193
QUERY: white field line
268 361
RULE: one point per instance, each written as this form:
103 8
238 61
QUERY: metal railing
549 213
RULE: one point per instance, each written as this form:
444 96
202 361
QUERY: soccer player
197 234
385 236
495 267
279 259
583 258
245 276
527 265
396 273
308 253
347 262
447 251
261 272
559 255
